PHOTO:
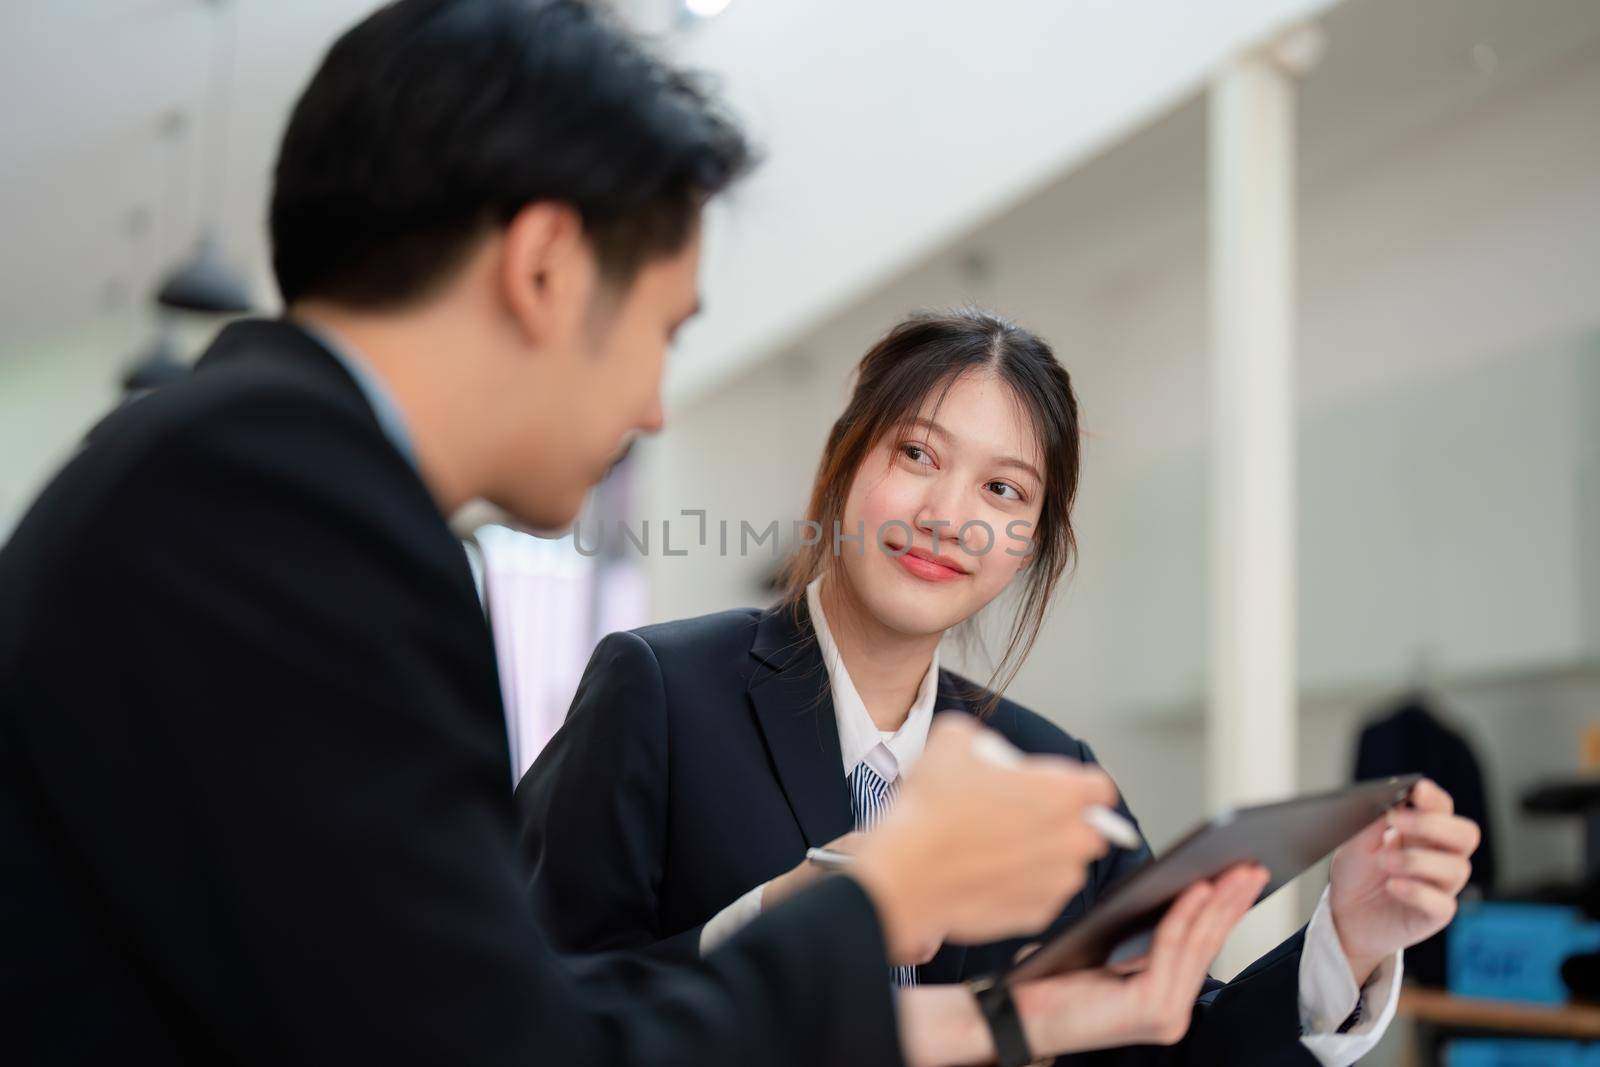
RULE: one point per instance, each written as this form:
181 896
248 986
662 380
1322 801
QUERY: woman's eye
915 454
1006 490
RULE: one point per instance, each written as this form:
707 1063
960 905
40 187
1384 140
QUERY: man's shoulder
239 448
232 488
260 395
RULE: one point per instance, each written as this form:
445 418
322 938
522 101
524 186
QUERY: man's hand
976 851
1148 1001
1395 883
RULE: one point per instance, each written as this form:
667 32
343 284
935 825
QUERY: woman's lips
930 568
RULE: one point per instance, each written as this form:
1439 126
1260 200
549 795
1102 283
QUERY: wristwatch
1005 1025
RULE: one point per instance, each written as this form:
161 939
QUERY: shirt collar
860 740
391 420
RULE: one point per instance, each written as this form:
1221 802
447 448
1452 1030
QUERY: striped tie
870 800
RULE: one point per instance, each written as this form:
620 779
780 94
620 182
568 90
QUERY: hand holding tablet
1285 838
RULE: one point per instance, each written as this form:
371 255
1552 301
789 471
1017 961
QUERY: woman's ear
547 271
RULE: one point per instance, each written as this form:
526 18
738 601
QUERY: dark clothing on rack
1410 739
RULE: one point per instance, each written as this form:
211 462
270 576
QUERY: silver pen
829 859
1111 826
993 748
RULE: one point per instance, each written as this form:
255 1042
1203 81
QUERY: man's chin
621 454
540 520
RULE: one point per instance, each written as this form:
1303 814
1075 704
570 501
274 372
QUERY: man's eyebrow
1004 461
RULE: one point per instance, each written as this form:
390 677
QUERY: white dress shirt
890 753
1328 991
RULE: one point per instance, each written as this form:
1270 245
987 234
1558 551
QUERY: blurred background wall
1047 160
1448 398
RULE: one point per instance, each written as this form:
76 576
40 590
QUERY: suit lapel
953 695
794 707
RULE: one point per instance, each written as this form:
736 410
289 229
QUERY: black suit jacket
701 758
252 774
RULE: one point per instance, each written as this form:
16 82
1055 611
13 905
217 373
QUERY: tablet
1286 838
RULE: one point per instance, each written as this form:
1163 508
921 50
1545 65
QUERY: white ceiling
891 129
852 102
1394 72
85 85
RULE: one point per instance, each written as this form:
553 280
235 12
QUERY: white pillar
1251 706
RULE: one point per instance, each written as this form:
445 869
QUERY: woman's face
949 509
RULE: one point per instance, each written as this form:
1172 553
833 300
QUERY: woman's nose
939 516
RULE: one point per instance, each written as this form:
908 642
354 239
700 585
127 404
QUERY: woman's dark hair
433 121
922 358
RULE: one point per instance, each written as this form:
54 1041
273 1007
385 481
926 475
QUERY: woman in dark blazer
701 758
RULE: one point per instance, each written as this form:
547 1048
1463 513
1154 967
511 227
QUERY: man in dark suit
252 755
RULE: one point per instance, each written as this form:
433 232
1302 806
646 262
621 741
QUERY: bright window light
706 9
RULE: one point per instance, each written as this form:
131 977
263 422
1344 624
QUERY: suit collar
284 340
781 640
783 634
385 408
282 349
278 352
955 694
859 737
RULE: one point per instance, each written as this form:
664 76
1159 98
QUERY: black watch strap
1005 1025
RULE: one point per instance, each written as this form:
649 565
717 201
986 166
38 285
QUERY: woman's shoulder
663 665
715 636
694 652
1022 726
699 667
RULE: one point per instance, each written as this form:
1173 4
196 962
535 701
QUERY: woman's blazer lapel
789 692
794 706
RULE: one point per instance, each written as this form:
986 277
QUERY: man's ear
547 270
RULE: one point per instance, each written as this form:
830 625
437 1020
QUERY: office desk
1441 1016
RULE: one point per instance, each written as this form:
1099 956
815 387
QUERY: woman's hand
805 873
1395 883
1148 1001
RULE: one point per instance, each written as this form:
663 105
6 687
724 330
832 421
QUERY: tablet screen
1285 837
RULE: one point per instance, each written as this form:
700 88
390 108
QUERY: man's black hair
433 121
